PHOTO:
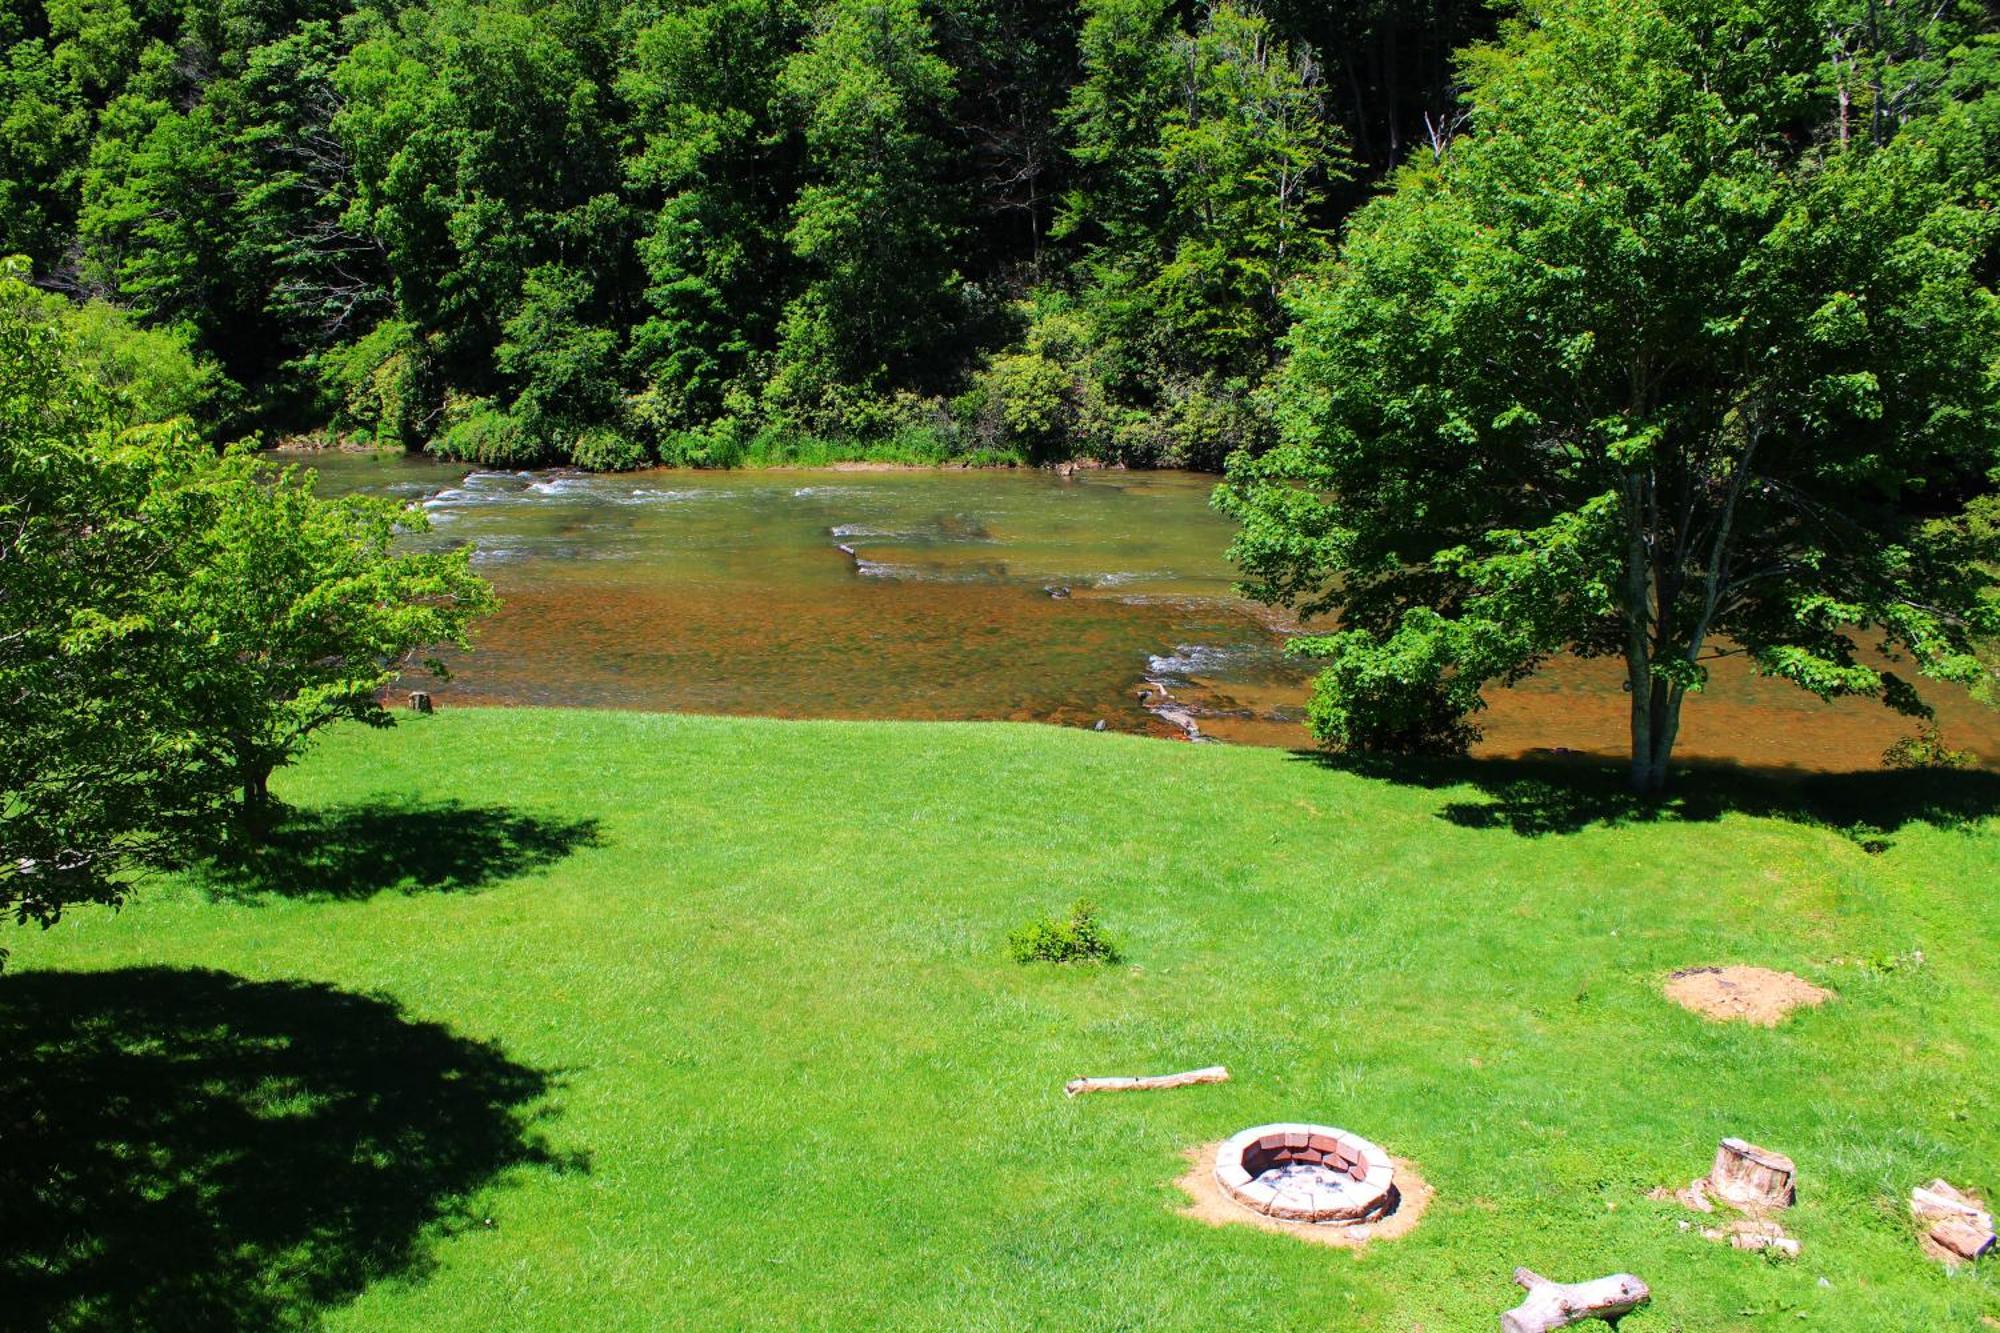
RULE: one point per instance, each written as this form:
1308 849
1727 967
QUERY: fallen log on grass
1212 1074
1552 1305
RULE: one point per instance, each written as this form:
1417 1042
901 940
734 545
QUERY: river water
998 594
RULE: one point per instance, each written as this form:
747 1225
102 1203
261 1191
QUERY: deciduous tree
1650 363
297 612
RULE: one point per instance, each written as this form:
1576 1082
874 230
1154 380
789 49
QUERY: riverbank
804 458
566 1019
767 452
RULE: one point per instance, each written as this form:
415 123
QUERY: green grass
631 1021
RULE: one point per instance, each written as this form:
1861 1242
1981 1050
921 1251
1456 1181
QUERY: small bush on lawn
1080 939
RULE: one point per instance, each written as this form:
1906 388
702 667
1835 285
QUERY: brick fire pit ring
1306 1173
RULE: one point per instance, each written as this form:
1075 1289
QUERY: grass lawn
593 1020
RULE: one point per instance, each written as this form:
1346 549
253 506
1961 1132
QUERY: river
994 594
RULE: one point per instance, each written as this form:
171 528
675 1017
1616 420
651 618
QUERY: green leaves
97 769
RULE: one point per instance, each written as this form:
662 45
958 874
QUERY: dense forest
528 230
545 230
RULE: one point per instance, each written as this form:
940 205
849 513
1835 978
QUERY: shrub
151 375
1079 939
383 384
1028 399
488 436
605 450
1412 701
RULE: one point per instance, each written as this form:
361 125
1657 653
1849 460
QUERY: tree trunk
1656 721
255 775
1649 758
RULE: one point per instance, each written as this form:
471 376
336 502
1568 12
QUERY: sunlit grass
797 1081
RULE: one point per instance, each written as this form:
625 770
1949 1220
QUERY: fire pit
1306 1173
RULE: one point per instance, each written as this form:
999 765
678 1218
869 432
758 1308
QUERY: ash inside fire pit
1306 1173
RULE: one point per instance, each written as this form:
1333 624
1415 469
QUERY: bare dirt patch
1752 994
1209 1204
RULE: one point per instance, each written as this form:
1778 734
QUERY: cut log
1553 1305
1212 1074
1752 1177
420 700
1967 1240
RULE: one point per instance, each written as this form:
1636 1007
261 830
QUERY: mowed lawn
593 1020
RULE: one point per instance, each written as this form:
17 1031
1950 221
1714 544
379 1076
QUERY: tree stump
1751 1177
1552 1305
420 701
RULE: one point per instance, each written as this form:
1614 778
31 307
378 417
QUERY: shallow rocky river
966 594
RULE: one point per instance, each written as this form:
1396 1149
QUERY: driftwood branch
1552 1305
1213 1074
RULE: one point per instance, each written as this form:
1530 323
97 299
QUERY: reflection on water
969 595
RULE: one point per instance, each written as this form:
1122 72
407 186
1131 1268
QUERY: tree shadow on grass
1535 796
356 851
188 1149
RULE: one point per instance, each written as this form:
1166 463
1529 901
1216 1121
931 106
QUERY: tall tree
871 225
1012 60
41 131
483 150
1652 364
1246 155
1203 159
716 156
